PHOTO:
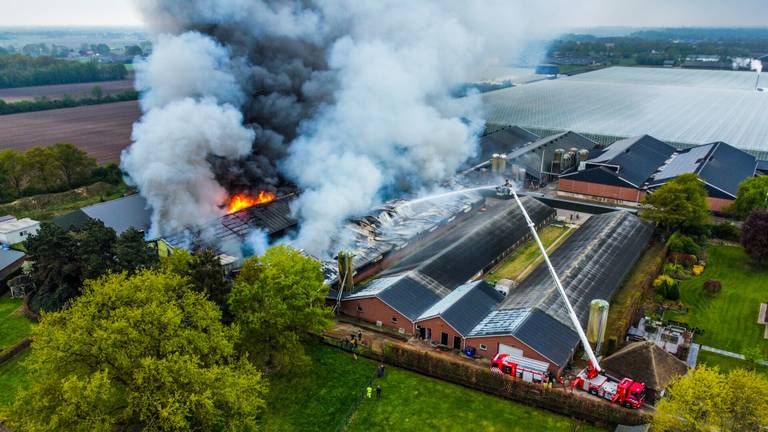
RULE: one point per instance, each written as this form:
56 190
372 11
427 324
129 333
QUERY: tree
141 352
97 92
754 236
680 205
132 252
706 400
97 248
277 298
57 270
752 194
73 164
15 171
205 271
45 174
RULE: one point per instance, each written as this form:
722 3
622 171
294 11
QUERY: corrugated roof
122 213
451 260
467 305
636 158
591 264
8 257
503 140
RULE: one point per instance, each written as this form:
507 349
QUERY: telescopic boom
571 313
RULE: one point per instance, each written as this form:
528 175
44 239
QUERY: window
394 320
359 309
484 347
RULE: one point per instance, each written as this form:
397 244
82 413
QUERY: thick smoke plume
348 99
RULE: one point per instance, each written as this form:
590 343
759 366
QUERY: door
428 334
444 338
422 332
506 349
457 342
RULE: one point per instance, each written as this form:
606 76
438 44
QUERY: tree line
23 71
55 168
162 344
44 103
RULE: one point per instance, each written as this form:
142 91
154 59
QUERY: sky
633 13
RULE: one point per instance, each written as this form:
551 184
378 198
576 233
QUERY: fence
565 402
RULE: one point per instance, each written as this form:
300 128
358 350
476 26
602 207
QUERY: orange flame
241 201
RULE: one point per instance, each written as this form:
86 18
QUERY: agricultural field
523 260
103 131
325 396
76 91
14 326
728 318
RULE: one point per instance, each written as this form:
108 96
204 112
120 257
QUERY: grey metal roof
762 165
442 265
122 213
636 158
531 155
686 161
591 264
73 220
503 140
467 305
8 257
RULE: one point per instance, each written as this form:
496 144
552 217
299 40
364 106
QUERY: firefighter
378 392
369 392
381 370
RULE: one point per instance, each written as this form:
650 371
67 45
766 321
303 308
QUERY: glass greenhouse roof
676 105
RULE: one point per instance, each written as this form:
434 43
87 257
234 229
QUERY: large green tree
97 248
277 298
57 270
707 400
752 195
15 172
44 174
73 164
141 352
680 205
205 271
132 252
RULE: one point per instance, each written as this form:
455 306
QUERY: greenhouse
681 106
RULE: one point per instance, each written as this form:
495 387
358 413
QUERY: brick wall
609 192
492 345
718 204
438 326
373 309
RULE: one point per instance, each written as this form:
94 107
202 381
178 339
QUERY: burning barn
429 274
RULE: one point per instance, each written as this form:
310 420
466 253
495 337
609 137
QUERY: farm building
404 292
10 261
629 169
647 363
532 322
119 214
503 140
14 230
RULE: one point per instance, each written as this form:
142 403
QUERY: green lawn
14 326
727 363
321 396
13 375
729 319
412 402
514 265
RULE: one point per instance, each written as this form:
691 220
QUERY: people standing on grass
381 370
369 392
378 392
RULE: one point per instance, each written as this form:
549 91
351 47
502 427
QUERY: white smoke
350 99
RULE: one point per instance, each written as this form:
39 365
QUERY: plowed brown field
101 130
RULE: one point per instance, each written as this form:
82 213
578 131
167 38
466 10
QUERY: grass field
103 131
322 396
514 266
412 402
13 376
726 364
47 206
729 318
13 325
631 290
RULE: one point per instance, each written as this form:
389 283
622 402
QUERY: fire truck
592 379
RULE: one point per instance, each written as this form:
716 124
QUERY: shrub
683 259
672 292
681 243
725 231
754 236
698 269
666 286
713 286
